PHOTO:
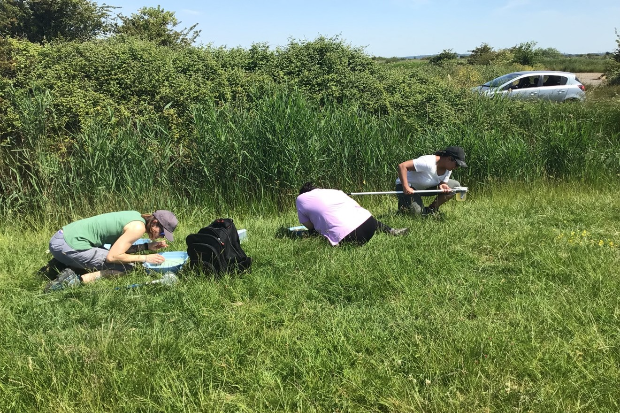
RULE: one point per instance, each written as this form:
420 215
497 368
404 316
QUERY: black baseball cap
457 153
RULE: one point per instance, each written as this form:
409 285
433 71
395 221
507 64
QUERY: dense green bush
124 123
47 20
156 25
481 55
447 55
134 78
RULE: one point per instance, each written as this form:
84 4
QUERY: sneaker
430 211
66 278
398 231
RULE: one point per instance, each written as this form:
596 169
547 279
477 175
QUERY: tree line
82 20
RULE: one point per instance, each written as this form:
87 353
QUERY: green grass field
508 303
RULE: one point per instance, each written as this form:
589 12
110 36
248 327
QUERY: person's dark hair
149 221
307 187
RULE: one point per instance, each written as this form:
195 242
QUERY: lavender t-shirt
332 213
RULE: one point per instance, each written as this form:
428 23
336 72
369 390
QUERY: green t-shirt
98 230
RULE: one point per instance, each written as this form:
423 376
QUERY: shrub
524 53
447 55
108 119
482 55
156 25
48 20
326 68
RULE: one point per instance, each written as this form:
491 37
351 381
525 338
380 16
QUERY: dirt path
591 79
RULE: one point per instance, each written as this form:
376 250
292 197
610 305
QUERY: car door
554 87
523 87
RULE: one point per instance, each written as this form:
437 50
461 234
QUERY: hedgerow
88 121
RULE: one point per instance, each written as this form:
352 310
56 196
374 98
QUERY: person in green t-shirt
80 244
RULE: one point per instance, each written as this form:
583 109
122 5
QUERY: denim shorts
90 259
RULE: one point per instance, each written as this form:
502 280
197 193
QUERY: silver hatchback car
533 85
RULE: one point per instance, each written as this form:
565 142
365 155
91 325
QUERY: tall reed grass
259 154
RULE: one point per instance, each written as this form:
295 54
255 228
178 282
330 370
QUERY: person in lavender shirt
338 217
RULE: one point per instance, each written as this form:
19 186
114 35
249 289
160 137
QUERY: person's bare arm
118 253
402 175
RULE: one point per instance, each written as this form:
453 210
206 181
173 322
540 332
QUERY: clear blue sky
399 27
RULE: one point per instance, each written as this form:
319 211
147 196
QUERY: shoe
430 211
398 231
66 278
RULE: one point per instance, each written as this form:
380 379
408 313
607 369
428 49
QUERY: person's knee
411 208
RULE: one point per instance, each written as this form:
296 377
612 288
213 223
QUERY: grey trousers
414 203
90 259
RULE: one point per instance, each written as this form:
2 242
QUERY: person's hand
407 190
157 245
445 188
154 259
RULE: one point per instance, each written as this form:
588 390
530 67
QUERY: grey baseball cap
168 221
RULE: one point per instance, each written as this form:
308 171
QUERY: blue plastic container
298 231
174 262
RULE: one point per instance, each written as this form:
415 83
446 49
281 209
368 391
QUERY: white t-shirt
425 174
332 213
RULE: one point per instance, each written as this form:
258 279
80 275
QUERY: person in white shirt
428 172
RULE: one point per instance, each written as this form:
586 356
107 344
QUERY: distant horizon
421 56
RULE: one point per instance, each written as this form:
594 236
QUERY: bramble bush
110 119
143 81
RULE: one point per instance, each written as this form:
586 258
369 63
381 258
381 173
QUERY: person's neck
440 168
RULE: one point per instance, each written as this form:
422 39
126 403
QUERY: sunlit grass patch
489 308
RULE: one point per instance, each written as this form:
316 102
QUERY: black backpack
216 249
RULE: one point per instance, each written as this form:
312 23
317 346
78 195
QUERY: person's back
332 213
98 230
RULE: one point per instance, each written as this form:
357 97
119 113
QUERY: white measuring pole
458 189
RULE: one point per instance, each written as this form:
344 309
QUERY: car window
511 85
523 83
554 80
501 80
528 81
